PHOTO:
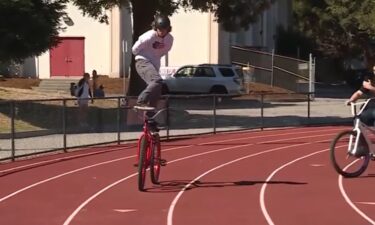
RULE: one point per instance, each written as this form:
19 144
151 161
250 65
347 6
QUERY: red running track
279 176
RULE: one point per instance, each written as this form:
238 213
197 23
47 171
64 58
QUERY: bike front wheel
142 163
341 153
155 163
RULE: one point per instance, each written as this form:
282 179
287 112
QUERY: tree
232 14
22 39
290 42
28 28
340 28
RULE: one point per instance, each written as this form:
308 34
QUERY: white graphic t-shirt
152 47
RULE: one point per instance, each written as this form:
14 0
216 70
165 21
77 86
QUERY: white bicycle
352 150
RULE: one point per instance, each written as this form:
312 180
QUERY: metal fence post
272 64
168 122
261 111
308 107
13 129
214 114
118 121
64 125
311 76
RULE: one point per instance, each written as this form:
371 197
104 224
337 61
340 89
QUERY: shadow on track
178 185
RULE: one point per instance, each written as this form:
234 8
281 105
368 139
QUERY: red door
67 59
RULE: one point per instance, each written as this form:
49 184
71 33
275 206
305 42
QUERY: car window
185 72
204 72
226 72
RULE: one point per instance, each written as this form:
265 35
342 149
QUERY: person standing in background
94 81
83 95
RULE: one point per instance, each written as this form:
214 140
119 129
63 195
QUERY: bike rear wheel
142 163
155 163
342 159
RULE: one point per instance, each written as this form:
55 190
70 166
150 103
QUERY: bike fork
354 146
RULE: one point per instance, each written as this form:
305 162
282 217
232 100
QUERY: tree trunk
142 19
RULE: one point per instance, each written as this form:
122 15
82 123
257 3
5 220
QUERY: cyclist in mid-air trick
148 50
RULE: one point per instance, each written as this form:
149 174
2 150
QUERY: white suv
205 78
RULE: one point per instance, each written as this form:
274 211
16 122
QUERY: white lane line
366 203
70 172
115 160
60 175
119 148
175 200
124 210
317 165
347 199
77 210
60 159
264 186
272 135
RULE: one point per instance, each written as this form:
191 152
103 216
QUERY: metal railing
34 126
275 70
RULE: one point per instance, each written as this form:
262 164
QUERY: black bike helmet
162 22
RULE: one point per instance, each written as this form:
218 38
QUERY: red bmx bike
149 152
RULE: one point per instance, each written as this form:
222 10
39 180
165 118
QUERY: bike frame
149 151
361 128
147 133
150 140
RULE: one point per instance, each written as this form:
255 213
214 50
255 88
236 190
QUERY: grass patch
20 125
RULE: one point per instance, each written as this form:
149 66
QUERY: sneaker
145 107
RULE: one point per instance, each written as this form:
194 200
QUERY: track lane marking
366 203
264 186
350 202
78 209
342 190
178 196
62 158
132 156
124 210
119 148
58 176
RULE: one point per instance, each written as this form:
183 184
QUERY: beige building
87 44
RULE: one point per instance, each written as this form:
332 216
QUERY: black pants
368 116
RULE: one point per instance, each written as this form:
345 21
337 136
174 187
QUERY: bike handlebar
158 113
362 105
